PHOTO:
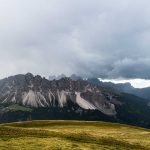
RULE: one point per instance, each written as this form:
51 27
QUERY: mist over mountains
73 77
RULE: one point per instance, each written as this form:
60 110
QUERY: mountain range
29 97
123 87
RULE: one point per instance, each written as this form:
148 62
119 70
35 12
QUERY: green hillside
72 135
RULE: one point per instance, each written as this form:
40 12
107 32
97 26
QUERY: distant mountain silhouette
123 87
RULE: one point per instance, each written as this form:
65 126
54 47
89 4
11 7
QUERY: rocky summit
35 91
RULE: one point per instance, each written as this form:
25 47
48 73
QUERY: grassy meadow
72 135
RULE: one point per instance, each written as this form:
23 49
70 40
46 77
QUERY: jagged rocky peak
20 81
30 75
35 91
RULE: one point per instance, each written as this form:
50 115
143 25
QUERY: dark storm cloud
103 38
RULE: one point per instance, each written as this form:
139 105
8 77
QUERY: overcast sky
97 38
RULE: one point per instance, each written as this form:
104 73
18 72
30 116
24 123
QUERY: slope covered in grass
72 135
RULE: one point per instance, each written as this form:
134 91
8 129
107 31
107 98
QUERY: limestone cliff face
35 91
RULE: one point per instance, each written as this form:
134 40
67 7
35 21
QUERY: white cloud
137 83
104 38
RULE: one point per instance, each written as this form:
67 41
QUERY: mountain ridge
123 87
36 91
29 97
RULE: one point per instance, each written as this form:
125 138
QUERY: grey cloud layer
103 38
